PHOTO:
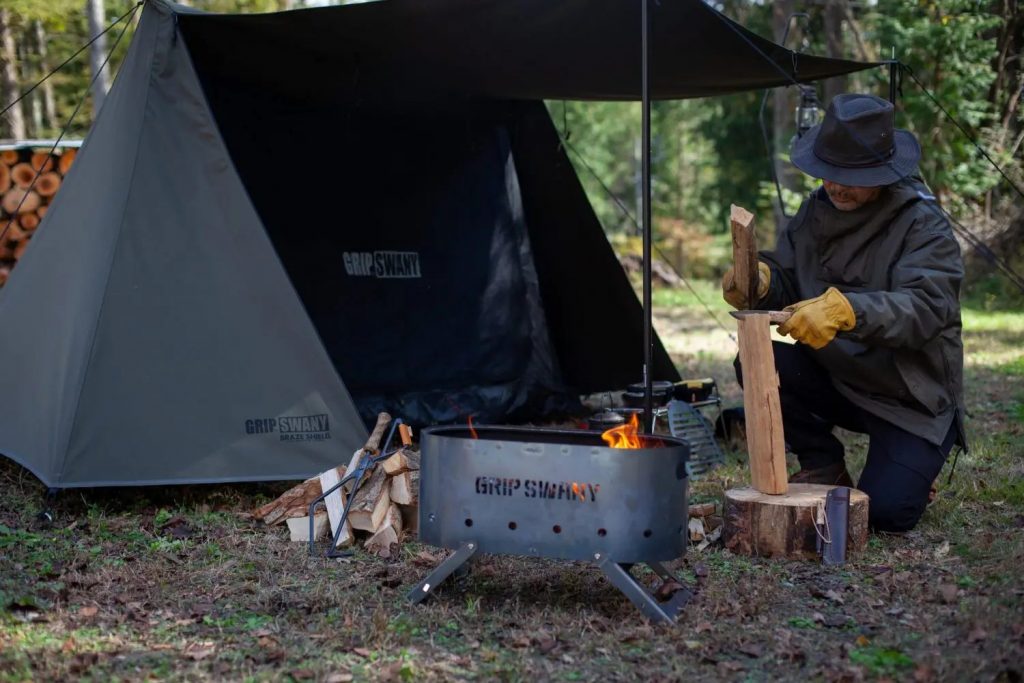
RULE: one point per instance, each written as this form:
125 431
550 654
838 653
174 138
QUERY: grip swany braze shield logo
382 264
292 427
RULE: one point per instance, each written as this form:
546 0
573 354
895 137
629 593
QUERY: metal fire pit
556 494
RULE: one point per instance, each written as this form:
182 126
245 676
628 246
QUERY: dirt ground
178 583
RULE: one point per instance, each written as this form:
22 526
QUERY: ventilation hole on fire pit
469 522
602 532
512 526
647 533
557 529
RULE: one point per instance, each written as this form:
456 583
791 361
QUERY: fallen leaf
362 652
546 645
836 620
862 641
948 593
703 627
520 642
339 678
942 550
89 611
818 617
692 644
425 558
301 674
667 589
700 570
198 651
924 674
977 634
751 650
83 661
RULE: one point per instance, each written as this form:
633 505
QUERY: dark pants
900 467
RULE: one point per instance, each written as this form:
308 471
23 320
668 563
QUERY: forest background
707 153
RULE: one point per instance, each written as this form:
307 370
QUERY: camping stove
555 494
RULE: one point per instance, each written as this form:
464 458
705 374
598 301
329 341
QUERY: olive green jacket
897 262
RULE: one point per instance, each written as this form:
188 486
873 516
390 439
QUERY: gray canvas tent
180 318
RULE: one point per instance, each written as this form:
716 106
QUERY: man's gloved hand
731 291
816 321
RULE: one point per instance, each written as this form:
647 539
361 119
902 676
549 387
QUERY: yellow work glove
731 291
816 321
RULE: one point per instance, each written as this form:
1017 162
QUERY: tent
283 223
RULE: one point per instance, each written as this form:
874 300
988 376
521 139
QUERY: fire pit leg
659 612
428 585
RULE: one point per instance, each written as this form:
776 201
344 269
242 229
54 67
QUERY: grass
109 593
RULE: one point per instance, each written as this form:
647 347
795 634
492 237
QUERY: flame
472 431
624 436
579 491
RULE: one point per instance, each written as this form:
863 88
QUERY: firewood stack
384 509
22 203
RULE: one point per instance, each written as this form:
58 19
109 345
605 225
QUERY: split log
12 201
784 525
9 157
372 446
401 489
4 274
28 221
298 527
335 503
14 233
702 510
744 252
387 535
402 461
66 158
5 178
292 503
23 174
41 211
42 160
48 184
761 406
370 505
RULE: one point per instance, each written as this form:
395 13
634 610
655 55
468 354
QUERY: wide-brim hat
857 144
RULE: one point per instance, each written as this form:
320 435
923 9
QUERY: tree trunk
33 106
834 47
49 101
12 123
97 53
783 526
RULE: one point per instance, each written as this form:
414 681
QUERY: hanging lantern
808 111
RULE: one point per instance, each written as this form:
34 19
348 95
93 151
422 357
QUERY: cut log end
740 216
782 526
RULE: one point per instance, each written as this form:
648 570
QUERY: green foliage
949 46
880 660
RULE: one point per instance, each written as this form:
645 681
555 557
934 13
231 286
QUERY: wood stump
782 526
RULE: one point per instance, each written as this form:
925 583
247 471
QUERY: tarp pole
645 96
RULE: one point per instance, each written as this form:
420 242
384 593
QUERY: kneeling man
871 272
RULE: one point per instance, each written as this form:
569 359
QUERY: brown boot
831 475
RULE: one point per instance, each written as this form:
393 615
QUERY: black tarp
425 133
505 49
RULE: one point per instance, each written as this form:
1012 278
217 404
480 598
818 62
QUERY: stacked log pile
384 508
24 197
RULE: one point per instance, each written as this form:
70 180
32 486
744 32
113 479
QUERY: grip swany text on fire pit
538 488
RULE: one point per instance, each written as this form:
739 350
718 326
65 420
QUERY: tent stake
645 97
